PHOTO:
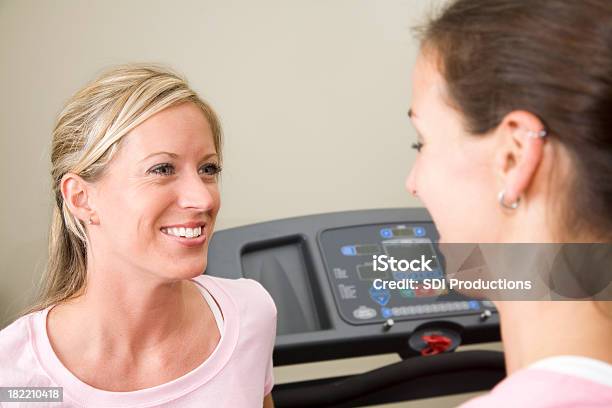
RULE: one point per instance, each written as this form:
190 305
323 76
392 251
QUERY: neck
532 331
127 310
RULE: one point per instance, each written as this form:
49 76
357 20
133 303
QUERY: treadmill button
380 296
386 312
364 313
419 231
407 293
348 250
386 233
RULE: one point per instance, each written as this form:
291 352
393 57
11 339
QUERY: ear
77 196
520 153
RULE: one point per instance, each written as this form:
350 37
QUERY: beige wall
312 94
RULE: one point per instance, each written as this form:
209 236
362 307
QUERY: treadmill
318 269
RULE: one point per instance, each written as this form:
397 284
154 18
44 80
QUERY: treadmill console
319 269
349 254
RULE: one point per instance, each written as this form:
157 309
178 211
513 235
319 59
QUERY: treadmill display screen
366 272
403 232
367 249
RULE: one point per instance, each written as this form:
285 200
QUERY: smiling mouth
182 232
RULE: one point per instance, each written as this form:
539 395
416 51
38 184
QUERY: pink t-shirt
237 374
555 382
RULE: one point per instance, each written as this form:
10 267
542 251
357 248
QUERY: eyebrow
174 155
415 123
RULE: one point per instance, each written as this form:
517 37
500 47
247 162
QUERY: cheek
143 226
133 214
456 193
215 205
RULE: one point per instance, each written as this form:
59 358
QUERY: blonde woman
126 318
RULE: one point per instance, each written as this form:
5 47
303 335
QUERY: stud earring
501 197
90 222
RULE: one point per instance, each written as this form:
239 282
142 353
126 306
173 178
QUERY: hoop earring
501 197
537 135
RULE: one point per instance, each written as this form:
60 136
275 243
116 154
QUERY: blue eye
164 169
167 169
210 169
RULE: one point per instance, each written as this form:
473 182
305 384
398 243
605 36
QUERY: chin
187 271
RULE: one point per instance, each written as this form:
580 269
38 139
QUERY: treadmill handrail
359 385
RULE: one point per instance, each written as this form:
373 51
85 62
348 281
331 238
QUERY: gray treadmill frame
341 339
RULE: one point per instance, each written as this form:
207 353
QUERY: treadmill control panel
361 291
319 270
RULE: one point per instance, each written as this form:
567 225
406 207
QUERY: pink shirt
237 374
559 382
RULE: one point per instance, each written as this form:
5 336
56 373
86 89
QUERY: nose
411 186
196 193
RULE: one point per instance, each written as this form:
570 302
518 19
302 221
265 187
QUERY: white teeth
183 232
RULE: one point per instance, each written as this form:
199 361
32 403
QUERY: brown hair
552 58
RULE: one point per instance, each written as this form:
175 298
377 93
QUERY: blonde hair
86 136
